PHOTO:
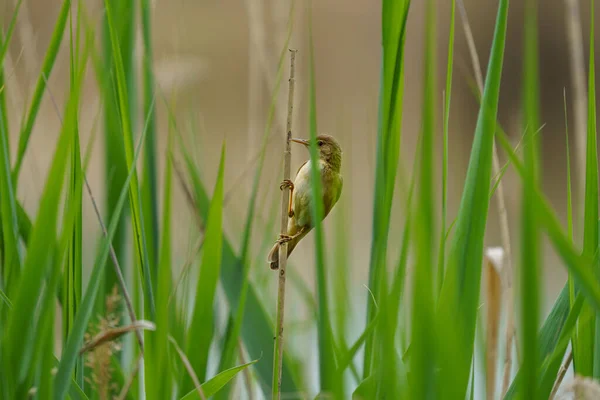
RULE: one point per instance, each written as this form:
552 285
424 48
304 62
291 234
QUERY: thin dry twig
284 221
502 214
188 367
132 376
561 374
116 267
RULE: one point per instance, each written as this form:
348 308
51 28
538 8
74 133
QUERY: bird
300 220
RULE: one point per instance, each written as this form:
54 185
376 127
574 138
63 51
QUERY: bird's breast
302 194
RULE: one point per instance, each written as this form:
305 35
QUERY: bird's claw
286 184
284 239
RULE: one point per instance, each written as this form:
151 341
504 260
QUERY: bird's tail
273 257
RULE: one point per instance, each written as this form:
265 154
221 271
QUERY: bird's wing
303 164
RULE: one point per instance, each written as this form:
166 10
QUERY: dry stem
502 215
278 352
561 374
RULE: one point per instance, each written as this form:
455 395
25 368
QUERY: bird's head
329 150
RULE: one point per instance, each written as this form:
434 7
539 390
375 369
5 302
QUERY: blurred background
216 65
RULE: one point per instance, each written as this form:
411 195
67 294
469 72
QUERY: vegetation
420 337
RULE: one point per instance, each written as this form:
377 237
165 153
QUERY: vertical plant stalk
285 197
576 61
502 214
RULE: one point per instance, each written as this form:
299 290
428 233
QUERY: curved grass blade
216 383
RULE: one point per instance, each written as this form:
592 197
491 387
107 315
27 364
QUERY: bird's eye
320 143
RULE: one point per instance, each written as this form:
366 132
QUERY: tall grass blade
9 227
586 358
40 86
423 360
460 291
530 239
330 380
393 18
139 232
114 154
149 183
446 122
200 334
157 354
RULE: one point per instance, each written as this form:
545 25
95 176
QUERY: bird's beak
301 141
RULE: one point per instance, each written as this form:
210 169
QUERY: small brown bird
299 211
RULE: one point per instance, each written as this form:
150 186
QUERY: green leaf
201 328
216 383
135 203
530 238
460 291
586 358
330 380
394 16
40 86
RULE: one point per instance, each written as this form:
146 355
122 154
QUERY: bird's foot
284 239
286 184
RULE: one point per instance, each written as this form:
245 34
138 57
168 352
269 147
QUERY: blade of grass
40 87
216 383
9 229
423 361
446 122
330 380
586 362
149 184
200 333
139 232
158 354
393 17
114 153
530 239
460 290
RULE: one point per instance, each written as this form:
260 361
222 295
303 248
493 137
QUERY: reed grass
217 320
